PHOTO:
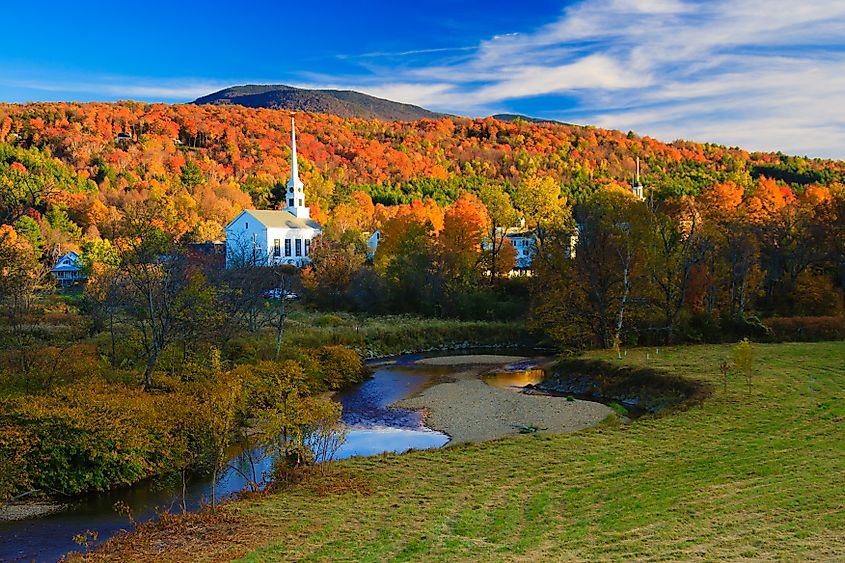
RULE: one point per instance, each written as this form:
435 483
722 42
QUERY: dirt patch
222 535
28 509
469 410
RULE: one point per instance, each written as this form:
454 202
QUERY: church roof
278 219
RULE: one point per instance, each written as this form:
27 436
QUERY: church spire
295 197
638 187
294 166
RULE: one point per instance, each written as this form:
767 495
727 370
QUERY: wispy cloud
99 87
389 54
763 74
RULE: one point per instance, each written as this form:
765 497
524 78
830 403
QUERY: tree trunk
151 365
280 327
184 492
111 333
620 318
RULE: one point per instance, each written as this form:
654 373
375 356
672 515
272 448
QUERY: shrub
340 366
241 350
92 436
806 329
16 444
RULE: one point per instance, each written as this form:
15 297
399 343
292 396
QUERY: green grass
754 475
744 475
397 334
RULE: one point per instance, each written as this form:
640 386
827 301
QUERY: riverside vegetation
73 418
746 473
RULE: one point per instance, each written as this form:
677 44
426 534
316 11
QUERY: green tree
742 357
192 175
29 229
502 216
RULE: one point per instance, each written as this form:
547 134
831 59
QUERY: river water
373 428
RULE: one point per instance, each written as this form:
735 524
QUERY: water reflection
514 379
373 428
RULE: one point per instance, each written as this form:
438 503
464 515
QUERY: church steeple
295 197
638 187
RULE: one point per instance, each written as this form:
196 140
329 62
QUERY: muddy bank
469 410
21 510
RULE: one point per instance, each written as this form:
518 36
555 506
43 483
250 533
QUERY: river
373 428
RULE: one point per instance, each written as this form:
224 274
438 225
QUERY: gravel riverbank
469 410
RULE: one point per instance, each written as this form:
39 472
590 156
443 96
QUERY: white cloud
765 74
122 87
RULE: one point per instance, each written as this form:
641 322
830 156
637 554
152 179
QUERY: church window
299 247
300 203
287 247
277 247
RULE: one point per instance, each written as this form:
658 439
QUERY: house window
307 246
277 247
290 203
299 247
246 225
287 247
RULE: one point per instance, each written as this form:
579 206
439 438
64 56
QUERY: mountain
343 103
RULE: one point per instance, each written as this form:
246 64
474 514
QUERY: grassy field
755 475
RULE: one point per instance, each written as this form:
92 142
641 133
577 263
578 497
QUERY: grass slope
743 475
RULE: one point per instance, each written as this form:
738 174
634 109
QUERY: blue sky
764 75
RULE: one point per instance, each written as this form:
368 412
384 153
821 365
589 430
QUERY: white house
372 244
269 236
68 270
523 244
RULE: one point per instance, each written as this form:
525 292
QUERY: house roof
274 218
67 263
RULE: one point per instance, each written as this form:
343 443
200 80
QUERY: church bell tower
295 193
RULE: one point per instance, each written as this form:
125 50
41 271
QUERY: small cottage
68 270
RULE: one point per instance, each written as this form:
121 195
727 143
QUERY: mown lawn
757 475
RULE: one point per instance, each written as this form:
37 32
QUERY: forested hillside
69 165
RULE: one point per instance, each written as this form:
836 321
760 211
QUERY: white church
268 237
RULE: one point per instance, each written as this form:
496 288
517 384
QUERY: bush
806 329
16 475
702 327
339 366
92 436
241 350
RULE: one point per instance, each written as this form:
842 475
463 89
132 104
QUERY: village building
524 244
372 244
68 270
637 185
269 237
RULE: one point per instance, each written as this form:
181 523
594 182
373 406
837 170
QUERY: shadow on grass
650 390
